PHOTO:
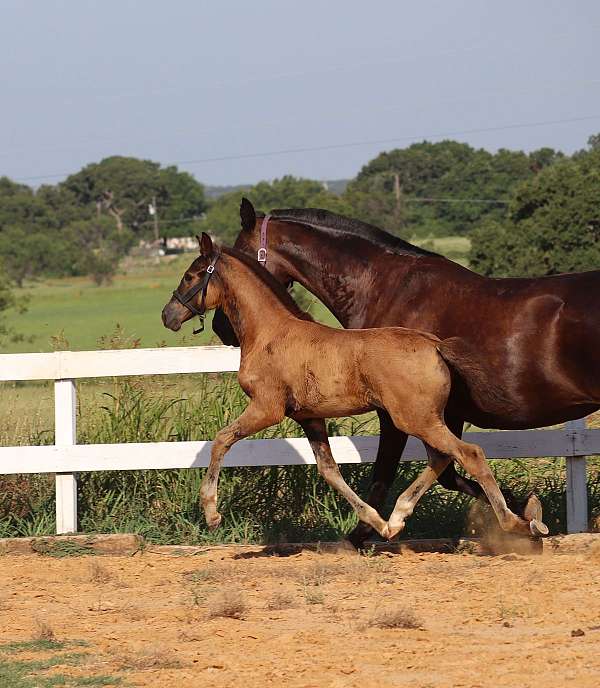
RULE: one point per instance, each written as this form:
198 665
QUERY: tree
223 216
594 142
553 224
123 188
394 189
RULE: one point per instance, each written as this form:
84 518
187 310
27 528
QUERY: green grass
455 248
16 672
84 312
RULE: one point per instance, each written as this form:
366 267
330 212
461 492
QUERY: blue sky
188 80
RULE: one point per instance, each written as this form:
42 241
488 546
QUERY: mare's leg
391 445
317 436
254 418
472 459
406 502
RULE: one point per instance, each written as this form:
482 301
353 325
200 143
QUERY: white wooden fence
66 458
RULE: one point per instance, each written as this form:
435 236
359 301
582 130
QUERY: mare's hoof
359 536
214 521
537 528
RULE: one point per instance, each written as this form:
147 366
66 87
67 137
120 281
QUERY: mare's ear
247 215
206 245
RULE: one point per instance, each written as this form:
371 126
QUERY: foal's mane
268 280
334 224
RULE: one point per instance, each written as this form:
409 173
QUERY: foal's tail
479 379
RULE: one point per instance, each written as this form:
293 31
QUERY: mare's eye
187 278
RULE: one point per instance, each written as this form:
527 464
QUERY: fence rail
66 458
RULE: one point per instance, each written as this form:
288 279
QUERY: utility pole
397 192
154 212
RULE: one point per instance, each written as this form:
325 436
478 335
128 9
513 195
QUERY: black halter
185 299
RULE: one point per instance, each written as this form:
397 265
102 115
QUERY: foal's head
197 292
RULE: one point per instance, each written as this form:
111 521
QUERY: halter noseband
186 299
261 254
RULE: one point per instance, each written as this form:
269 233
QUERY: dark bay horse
538 339
292 366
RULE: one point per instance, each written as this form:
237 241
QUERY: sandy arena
312 619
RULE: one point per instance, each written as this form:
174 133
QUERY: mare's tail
479 379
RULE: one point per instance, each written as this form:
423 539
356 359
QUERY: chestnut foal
293 366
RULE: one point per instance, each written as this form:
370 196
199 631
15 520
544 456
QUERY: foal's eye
187 278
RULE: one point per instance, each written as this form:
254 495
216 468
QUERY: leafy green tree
223 216
394 189
553 224
122 188
594 142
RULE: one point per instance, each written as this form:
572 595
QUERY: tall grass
268 504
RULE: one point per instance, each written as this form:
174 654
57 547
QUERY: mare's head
197 291
248 242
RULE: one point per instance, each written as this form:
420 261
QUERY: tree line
525 213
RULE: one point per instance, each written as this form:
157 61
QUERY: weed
150 658
44 632
398 617
98 573
313 596
280 600
227 603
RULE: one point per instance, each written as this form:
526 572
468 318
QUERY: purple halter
261 255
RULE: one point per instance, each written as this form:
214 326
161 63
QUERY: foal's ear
206 245
247 215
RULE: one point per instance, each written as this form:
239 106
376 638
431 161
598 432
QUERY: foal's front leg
255 418
391 445
328 468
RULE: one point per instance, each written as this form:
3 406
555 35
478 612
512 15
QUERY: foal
293 366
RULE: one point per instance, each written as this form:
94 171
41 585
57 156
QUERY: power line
526 89
424 199
349 144
405 199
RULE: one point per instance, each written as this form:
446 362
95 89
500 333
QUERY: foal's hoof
390 530
537 528
532 509
214 521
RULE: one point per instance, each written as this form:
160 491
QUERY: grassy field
80 313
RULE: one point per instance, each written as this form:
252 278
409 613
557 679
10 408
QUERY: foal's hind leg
328 468
472 459
391 445
253 419
451 480
406 502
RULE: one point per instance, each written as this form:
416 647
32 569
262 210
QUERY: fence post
577 500
65 431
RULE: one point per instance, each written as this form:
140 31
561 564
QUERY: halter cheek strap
261 255
186 299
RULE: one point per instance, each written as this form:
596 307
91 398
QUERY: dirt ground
230 617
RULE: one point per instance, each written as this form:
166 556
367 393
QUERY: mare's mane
334 224
267 278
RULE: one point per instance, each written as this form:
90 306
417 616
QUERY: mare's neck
251 306
344 273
